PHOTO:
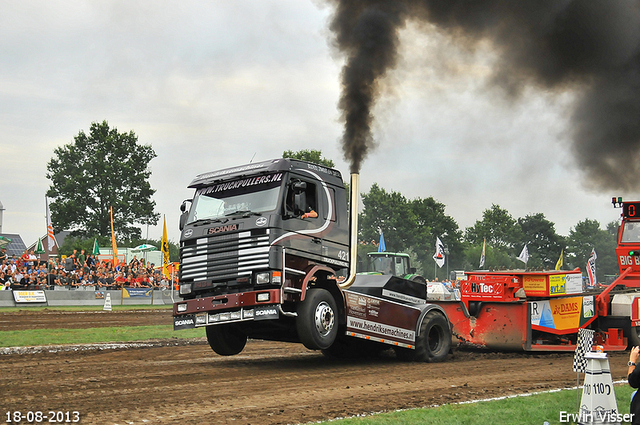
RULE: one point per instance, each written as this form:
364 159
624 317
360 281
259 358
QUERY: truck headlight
182 308
185 289
263 278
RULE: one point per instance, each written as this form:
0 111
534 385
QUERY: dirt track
269 383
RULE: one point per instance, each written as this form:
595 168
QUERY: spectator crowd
77 271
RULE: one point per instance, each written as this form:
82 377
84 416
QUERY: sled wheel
433 343
316 322
226 340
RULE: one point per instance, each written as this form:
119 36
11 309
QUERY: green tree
97 171
543 243
309 155
497 226
389 213
586 236
502 234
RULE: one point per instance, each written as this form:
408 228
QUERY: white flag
439 254
524 255
591 268
50 238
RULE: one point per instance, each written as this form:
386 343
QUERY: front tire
317 321
226 340
433 343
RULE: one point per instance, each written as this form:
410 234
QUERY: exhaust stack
353 231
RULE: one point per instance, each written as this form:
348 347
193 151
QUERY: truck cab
243 222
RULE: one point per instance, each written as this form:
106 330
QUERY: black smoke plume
590 46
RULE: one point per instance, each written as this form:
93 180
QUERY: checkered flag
585 342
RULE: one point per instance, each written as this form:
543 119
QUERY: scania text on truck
268 251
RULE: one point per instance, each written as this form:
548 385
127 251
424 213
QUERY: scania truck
268 251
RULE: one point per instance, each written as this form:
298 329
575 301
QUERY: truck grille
224 257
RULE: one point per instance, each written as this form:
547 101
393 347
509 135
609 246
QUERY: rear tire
226 340
634 336
419 279
433 343
317 321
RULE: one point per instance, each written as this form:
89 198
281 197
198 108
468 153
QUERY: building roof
17 246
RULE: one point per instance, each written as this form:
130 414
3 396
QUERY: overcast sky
215 84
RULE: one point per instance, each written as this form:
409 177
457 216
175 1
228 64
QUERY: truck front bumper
243 306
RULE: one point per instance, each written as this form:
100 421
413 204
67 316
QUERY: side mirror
183 220
299 203
298 186
185 213
412 270
183 207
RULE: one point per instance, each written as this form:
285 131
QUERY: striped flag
591 268
484 244
50 238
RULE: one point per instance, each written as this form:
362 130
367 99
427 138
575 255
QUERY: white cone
107 302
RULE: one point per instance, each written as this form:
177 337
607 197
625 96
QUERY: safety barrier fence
87 296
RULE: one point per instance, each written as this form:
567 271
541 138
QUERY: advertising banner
535 285
136 292
562 314
29 297
365 316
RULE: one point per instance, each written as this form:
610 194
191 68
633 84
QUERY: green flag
96 249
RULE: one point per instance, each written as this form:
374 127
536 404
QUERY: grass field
536 409
32 337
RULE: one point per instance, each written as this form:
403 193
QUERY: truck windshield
396 266
253 195
631 231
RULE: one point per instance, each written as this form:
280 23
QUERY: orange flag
113 241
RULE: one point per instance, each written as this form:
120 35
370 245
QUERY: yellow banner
558 284
535 285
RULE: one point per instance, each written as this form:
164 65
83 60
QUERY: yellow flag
113 241
165 251
559 263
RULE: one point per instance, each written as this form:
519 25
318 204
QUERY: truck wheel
226 340
419 279
634 336
433 343
317 322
